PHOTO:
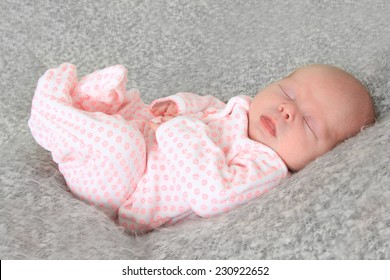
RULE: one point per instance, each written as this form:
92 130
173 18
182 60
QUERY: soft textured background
336 208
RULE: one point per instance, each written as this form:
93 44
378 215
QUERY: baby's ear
368 124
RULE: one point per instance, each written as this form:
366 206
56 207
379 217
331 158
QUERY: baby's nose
288 111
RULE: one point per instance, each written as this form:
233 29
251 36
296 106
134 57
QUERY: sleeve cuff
181 106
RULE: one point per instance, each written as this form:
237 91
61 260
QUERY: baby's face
308 113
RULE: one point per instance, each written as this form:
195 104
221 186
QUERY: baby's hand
164 108
154 125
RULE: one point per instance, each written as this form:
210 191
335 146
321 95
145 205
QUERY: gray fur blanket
336 208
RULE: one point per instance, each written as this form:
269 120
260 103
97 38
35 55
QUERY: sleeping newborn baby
185 154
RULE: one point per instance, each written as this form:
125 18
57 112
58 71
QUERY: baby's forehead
307 74
319 68
330 81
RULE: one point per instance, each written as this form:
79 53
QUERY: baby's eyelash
288 96
307 123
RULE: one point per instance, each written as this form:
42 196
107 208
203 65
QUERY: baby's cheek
294 157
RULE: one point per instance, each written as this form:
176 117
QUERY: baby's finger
159 109
171 110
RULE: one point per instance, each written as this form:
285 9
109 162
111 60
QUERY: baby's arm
184 103
210 180
164 108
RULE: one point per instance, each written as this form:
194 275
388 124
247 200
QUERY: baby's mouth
269 125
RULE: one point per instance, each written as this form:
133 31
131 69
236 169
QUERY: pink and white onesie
200 162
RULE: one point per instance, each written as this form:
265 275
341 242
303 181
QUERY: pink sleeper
200 162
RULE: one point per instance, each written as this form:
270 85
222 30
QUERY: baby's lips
269 125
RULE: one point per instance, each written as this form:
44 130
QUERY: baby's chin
292 167
295 165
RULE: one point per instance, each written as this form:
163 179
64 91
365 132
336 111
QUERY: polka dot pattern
199 162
